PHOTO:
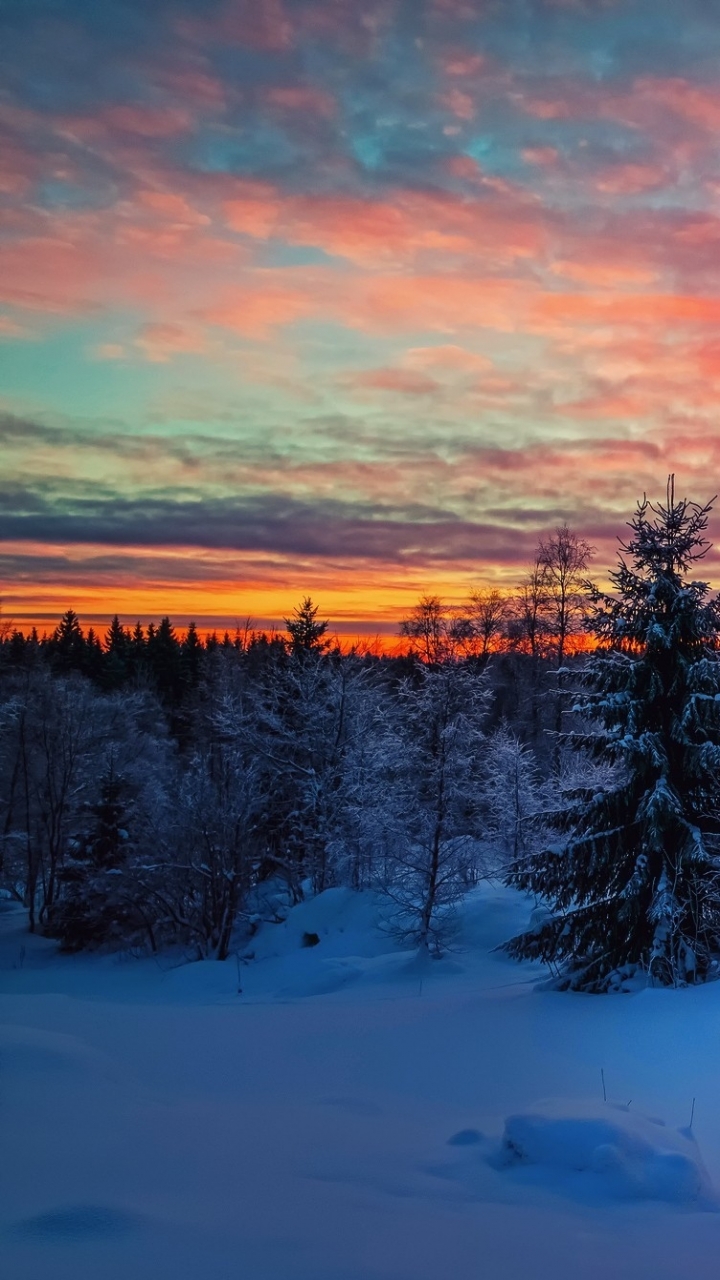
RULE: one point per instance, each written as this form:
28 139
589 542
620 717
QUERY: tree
637 880
425 816
163 655
530 622
429 629
514 796
117 651
191 657
90 908
210 849
563 560
306 633
487 614
298 723
67 644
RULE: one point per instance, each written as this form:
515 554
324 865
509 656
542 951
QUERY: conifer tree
636 883
117 650
191 657
307 634
67 644
163 653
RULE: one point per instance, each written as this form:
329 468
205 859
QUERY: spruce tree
636 881
307 634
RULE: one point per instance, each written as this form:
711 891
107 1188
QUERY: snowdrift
623 1153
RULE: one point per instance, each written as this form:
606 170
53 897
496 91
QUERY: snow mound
626 1154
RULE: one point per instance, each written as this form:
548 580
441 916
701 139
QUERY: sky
354 298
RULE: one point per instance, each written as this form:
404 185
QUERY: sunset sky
347 297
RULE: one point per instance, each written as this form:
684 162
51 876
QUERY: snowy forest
565 740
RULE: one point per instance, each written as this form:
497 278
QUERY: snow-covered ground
356 1113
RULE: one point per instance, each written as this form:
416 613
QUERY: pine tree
191 657
67 644
637 882
306 633
117 651
163 654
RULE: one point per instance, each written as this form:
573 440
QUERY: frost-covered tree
424 812
297 718
208 851
514 797
636 882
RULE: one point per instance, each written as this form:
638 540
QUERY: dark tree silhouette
307 634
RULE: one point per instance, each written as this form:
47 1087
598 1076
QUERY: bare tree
429 628
530 613
564 558
487 614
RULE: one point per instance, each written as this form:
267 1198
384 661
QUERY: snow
358 1112
623 1153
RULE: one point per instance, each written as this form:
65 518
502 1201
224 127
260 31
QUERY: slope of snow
355 1112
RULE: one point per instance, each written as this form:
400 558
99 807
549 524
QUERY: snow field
357 1113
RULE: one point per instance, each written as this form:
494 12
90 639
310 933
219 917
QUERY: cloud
401 381
159 343
402 282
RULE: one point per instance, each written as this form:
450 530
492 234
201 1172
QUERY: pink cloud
263 303
698 104
18 169
464 167
448 357
462 64
547 157
458 103
631 179
369 232
265 26
600 274
303 98
172 207
147 122
109 351
402 381
159 343
125 124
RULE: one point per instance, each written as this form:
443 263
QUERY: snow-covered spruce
636 882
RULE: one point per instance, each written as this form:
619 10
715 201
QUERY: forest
154 784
